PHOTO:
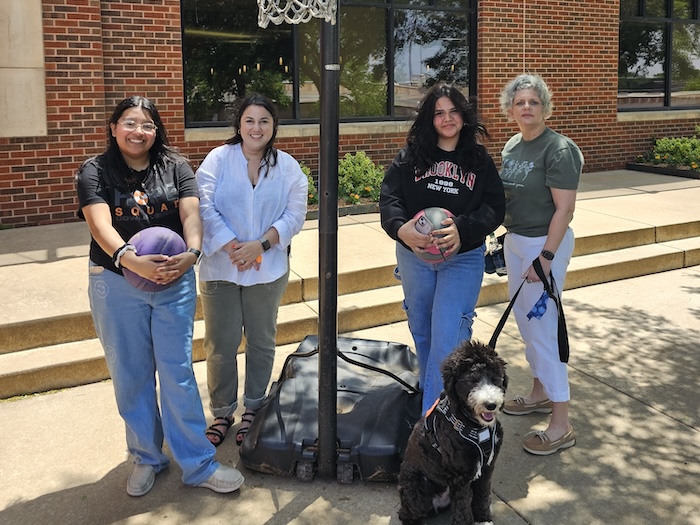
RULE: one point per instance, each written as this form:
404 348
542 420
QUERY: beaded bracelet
116 258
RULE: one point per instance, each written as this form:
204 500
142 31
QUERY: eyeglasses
146 127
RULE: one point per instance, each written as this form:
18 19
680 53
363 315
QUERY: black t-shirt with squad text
151 199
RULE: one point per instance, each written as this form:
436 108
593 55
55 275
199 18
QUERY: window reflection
683 9
363 76
685 66
429 47
655 8
227 55
640 69
630 7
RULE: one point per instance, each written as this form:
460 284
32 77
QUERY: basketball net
295 11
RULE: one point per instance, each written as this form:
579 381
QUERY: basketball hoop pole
295 12
328 251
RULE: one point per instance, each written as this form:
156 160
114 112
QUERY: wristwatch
547 255
197 254
265 244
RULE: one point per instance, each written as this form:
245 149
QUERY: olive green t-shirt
529 170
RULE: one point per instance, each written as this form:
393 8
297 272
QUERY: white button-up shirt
232 208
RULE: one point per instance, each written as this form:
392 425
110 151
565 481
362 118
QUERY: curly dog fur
452 450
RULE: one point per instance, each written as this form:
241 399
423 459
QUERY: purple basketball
428 220
149 241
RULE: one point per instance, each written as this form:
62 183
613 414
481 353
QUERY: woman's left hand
531 275
447 238
246 255
175 267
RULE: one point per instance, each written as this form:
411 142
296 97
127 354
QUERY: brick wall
37 173
573 46
98 52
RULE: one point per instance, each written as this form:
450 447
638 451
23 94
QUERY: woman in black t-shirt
136 183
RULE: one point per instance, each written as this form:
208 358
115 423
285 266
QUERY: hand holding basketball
439 224
160 242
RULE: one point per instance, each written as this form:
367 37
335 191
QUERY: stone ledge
664 170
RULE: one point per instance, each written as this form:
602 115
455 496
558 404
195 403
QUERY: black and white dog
452 450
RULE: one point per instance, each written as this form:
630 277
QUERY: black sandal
216 436
246 421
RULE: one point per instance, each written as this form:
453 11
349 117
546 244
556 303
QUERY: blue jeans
439 300
143 333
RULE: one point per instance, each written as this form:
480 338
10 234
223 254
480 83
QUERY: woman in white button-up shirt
252 201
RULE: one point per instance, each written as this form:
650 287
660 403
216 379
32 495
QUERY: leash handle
550 286
504 318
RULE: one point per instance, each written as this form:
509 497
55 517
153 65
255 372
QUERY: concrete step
48 310
627 224
80 362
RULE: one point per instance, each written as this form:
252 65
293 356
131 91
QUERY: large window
659 63
389 54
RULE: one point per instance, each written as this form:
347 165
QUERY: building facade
64 64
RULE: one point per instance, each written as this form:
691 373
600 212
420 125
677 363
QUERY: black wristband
116 253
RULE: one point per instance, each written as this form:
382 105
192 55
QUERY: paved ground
634 374
634 371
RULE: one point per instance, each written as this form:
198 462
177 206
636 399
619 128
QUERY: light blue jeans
143 333
439 300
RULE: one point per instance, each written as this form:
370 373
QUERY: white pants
540 335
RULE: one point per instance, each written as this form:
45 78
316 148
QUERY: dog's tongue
487 416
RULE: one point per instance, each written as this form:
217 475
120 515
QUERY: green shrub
678 152
359 177
313 190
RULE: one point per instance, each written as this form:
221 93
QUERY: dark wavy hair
111 161
422 139
255 99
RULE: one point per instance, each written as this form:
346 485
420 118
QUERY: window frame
467 8
668 22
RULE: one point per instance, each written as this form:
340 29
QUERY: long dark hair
112 162
255 99
422 138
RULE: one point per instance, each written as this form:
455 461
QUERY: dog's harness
483 438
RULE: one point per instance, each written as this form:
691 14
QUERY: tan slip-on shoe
518 407
539 444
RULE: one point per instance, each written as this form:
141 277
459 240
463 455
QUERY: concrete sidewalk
634 370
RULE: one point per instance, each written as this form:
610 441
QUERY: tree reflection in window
659 54
226 55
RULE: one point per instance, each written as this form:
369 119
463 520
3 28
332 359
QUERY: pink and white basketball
149 241
428 220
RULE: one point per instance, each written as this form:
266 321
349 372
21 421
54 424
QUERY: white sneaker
141 480
224 479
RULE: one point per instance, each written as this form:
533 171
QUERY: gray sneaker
141 480
224 479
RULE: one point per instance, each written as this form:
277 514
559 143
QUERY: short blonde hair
534 82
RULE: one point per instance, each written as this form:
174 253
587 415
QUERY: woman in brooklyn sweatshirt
442 165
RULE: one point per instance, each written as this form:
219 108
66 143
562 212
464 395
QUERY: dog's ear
449 370
454 366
